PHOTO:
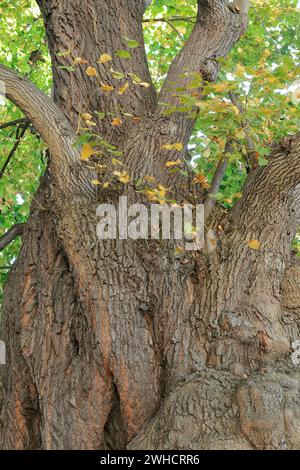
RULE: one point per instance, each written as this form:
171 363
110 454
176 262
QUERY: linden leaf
123 88
87 116
63 53
123 54
87 151
91 72
207 152
90 123
104 58
80 60
149 178
123 177
254 244
115 161
117 122
176 146
171 164
144 84
132 43
117 75
106 88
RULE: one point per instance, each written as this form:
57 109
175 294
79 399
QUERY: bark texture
124 343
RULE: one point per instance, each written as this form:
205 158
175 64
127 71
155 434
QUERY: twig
249 141
13 123
14 232
263 25
16 144
175 29
210 201
171 18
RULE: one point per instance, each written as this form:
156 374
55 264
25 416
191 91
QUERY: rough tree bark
120 343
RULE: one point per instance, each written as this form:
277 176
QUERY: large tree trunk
122 343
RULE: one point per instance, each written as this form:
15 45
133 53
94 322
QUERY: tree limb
51 123
216 30
112 28
14 232
267 192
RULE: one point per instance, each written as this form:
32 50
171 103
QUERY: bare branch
15 146
189 19
13 123
249 141
14 232
210 201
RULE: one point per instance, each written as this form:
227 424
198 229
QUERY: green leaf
123 54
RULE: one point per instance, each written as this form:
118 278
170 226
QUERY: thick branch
14 232
216 30
104 26
272 194
50 122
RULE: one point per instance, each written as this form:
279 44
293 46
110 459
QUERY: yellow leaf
171 164
123 177
148 178
219 87
117 122
123 88
240 70
254 244
162 191
104 58
206 152
176 146
179 250
115 161
144 84
106 185
96 182
90 123
87 116
91 72
80 60
105 87
87 151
